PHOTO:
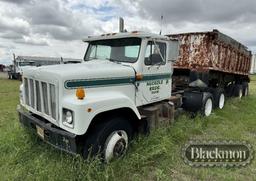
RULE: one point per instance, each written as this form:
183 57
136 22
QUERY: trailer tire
218 97
207 104
238 91
245 89
109 140
229 90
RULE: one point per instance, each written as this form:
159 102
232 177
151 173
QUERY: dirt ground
3 75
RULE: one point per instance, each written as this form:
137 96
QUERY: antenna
121 24
161 24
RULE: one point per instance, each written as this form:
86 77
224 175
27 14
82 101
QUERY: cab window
155 53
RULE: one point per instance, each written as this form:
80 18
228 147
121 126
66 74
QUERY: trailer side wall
212 51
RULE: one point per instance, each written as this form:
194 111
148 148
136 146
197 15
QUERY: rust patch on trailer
204 51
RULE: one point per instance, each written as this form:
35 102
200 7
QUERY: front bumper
52 135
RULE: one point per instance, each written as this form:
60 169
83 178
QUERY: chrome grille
26 91
41 96
38 97
52 100
32 94
45 98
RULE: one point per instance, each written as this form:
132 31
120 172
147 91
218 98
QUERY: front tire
109 139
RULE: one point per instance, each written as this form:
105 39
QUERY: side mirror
173 50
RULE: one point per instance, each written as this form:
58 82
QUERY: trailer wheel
207 104
218 97
238 91
109 139
245 89
229 90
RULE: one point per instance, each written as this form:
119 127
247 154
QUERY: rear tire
245 89
218 97
207 104
238 91
229 90
109 139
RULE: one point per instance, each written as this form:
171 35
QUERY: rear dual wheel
241 90
209 100
245 88
219 98
215 99
207 104
238 91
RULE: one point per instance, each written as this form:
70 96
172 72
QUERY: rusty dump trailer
210 62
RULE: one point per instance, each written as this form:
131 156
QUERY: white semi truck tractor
94 107
97 106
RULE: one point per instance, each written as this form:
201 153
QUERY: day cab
94 107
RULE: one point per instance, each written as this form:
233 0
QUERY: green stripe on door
156 77
70 84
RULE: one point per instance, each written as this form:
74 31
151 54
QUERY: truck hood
94 69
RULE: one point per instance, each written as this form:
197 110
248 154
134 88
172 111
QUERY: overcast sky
56 27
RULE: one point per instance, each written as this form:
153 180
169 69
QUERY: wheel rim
240 93
208 107
116 145
221 101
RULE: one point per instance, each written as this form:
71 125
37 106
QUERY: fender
97 103
109 103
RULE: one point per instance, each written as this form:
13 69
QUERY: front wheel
115 145
109 139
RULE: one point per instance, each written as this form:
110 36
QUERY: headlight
68 117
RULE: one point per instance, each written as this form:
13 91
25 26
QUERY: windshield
118 50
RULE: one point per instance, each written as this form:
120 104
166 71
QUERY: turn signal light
80 93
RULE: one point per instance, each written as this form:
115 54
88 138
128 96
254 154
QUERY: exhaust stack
121 25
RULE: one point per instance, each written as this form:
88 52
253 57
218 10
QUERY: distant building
2 67
20 63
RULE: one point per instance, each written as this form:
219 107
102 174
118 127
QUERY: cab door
155 83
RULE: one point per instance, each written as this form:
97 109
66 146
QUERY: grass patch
153 157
